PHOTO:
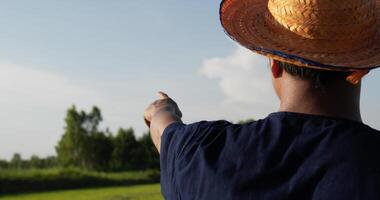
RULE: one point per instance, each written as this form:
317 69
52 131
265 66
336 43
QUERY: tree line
84 145
34 162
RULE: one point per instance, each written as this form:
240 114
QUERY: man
316 146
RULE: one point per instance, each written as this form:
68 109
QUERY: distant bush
84 145
246 121
19 181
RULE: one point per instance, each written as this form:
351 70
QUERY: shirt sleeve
168 139
177 142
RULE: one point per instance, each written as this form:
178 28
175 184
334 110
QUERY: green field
73 173
142 192
38 180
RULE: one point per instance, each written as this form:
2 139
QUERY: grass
18 181
73 173
142 192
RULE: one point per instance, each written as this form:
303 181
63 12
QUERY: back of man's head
315 91
319 78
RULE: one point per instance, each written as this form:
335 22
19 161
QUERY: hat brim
245 22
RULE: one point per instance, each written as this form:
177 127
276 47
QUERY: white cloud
33 87
244 79
33 105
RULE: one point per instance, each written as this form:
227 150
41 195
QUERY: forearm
159 122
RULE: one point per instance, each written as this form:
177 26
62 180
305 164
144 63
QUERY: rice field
139 192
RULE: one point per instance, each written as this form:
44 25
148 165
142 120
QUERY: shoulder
178 133
181 128
362 141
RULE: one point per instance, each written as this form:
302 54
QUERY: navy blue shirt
284 156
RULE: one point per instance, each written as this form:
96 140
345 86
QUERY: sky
117 55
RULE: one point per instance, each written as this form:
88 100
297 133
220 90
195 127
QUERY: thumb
162 95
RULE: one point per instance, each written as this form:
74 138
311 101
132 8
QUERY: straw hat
341 35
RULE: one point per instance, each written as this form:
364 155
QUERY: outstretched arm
159 115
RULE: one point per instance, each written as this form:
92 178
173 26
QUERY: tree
49 162
125 145
98 151
246 121
147 154
71 146
35 162
92 120
4 164
16 161
83 144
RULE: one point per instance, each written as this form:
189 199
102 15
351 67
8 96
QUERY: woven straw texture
327 34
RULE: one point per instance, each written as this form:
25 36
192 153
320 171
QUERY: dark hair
319 77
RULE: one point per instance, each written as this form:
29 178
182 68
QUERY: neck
340 99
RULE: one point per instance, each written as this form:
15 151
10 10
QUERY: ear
276 70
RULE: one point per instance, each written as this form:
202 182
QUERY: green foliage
16 161
98 151
4 164
141 192
148 154
16 181
131 153
84 145
70 148
82 150
35 161
124 152
246 121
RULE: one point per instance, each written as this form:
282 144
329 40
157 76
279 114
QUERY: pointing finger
162 95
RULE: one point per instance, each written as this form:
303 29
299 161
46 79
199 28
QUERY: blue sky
117 54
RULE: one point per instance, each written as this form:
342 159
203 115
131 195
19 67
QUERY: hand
164 105
159 115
